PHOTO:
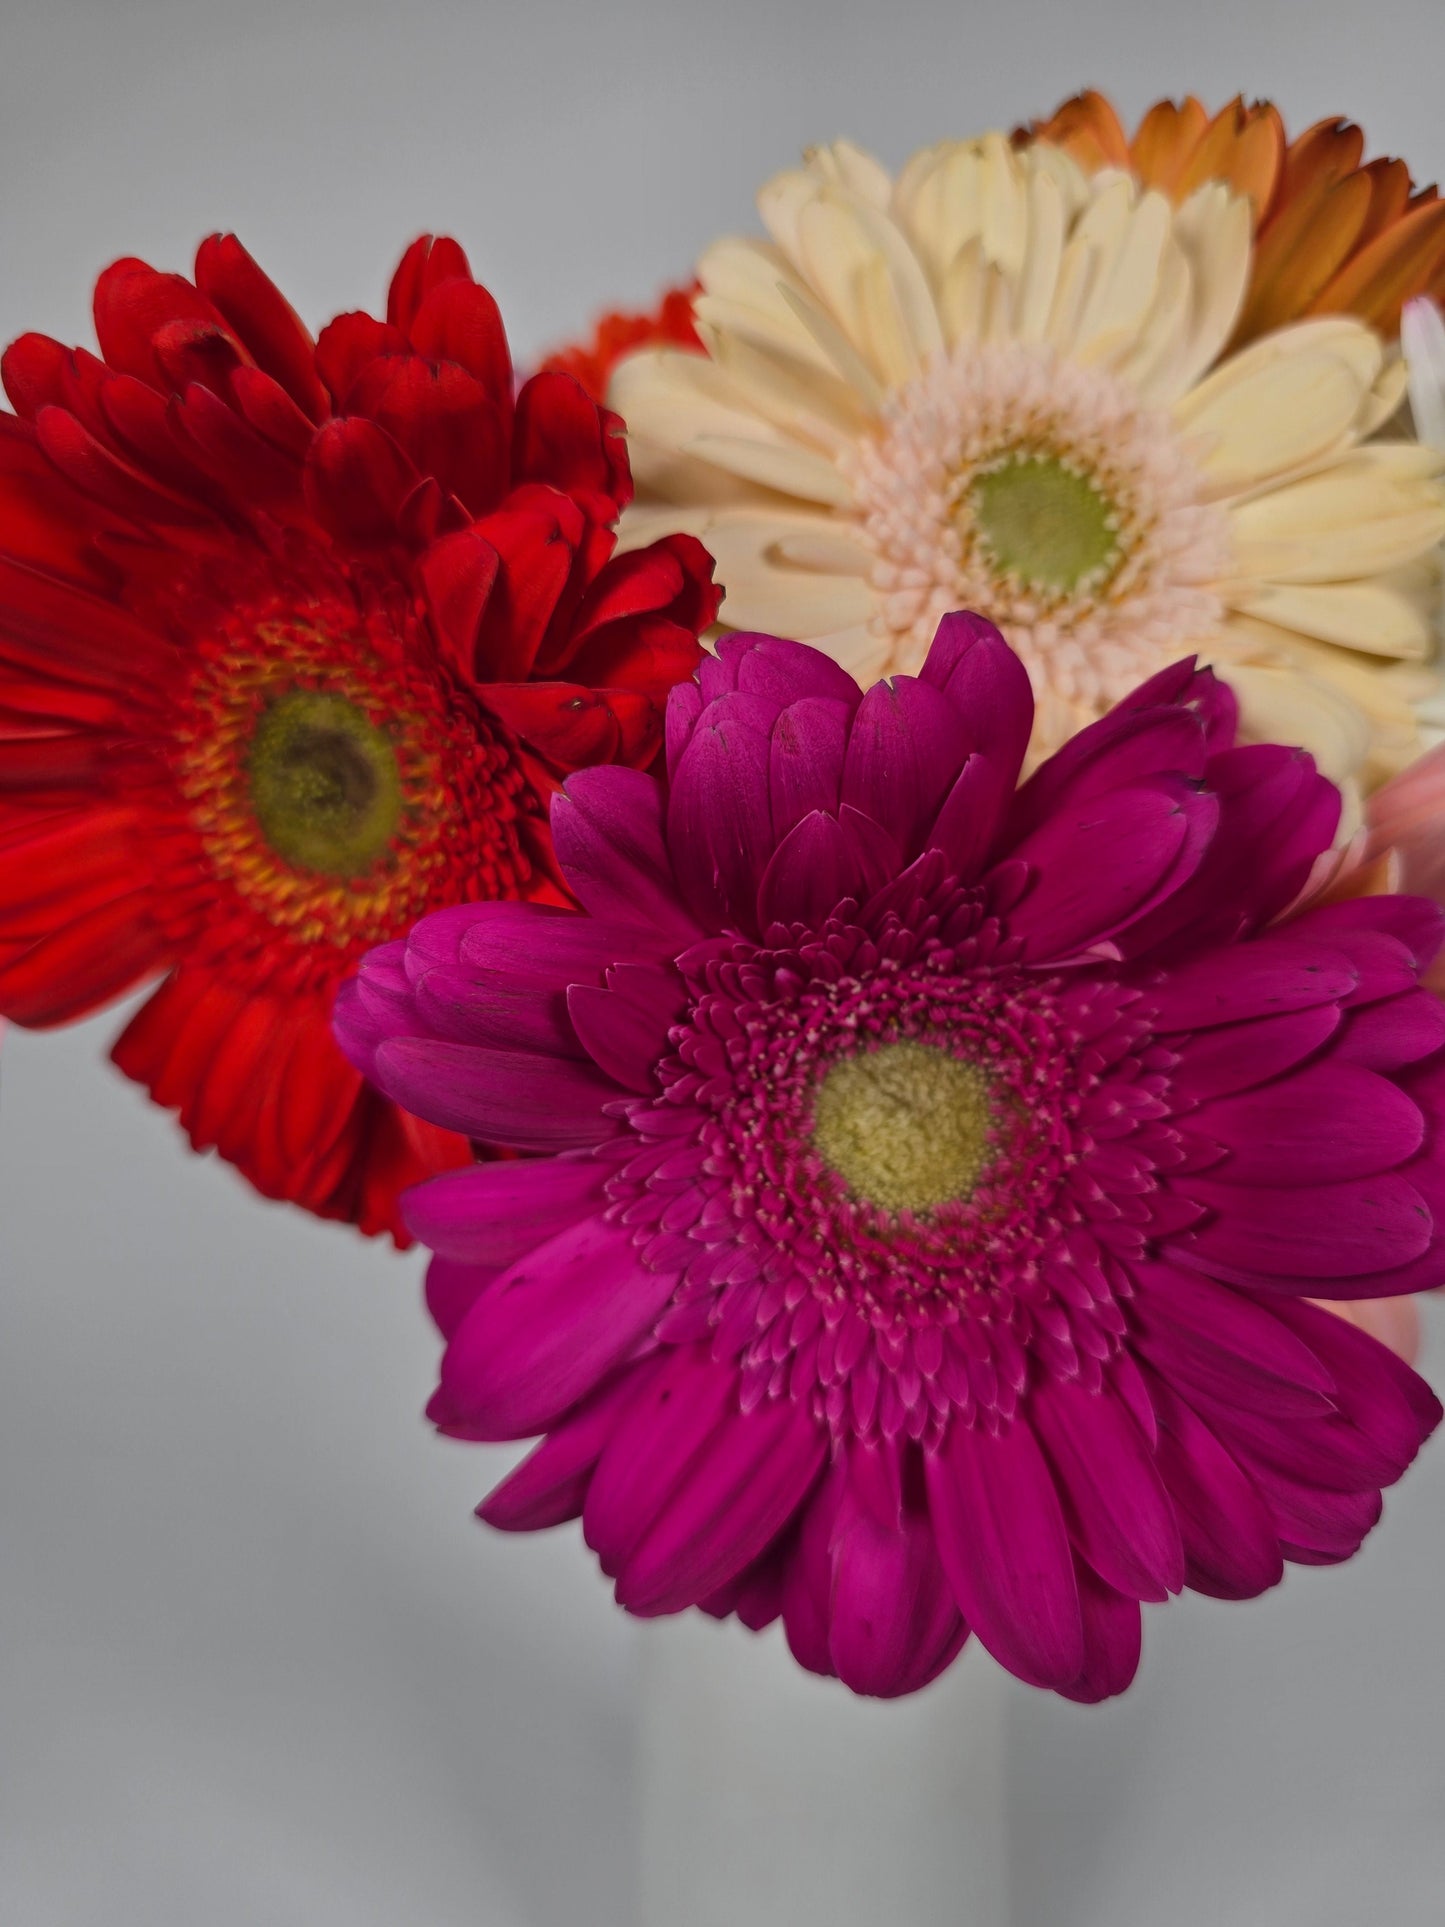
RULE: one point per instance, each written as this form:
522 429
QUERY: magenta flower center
875 1135
905 1125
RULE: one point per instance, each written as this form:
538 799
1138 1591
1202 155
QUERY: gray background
256 1663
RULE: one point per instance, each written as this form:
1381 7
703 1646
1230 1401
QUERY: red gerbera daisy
295 639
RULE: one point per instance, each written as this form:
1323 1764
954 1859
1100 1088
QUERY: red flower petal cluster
623 330
296 637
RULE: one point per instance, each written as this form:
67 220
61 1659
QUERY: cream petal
1214 228
789 470
1040 272
766 588
858 170
839 351
1125 288
805 402
645 522
963 294
939 202
1286 400
1287 705
1384 398
1371 616
862 268
671 398
1089 254
1149 364
1371 511
742 283
1004 206
780 205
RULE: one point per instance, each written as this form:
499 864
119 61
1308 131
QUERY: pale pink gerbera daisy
932 1173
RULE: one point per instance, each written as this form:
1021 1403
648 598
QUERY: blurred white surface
256 1663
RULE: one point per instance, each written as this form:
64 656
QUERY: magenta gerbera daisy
934 1171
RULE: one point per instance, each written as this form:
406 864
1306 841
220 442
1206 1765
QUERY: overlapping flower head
1126 410
295 640
929 1175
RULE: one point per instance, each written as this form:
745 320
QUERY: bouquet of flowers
858 856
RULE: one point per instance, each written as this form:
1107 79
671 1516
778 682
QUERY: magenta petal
809 744
1302 1236
607 828
550 1485
453 1287
989 687
1229 1337
1231 1547
525 946
1111 754
678 1523
719 826
490 1214
894 1623
905 749
1262 978
1235 1057
1113 1640
554 1324
1397 1031
1326 1121
784 672
457 1005
624 1027
1102 863
517 1098
1005 1548
1376 1391
1184 686
684 706
968 819
1414 922
1118 1511
811 871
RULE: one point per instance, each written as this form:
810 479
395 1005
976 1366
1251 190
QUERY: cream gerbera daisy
999 382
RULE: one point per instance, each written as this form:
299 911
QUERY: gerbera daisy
1001 382
933 1173
1332 235
620 331
295 638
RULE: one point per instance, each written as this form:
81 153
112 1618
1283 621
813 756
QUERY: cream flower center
906 1127
1042 493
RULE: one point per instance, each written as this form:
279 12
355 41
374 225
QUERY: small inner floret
907 1127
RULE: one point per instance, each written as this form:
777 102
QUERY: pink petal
1262 978
1353 1231
1231 1547
1236 1057
989 687
1324 1122
1113 1635
905 750
719 826
809 744
624 1027
550 1485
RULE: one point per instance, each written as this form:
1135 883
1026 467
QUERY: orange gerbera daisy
1334 234
621 330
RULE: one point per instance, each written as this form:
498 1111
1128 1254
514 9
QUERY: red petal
132 303
427 263
565 440
350 344
81 965
450 425
571 726
274 334
458 574
459 321
537 543
356 479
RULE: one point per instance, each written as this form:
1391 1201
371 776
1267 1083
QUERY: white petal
1371 511
1127 281
1422 338
766 591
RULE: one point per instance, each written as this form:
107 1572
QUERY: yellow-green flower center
1045 522
324 784
907 1127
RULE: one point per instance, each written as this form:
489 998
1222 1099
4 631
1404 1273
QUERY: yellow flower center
324 784
907 1127
1045 521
